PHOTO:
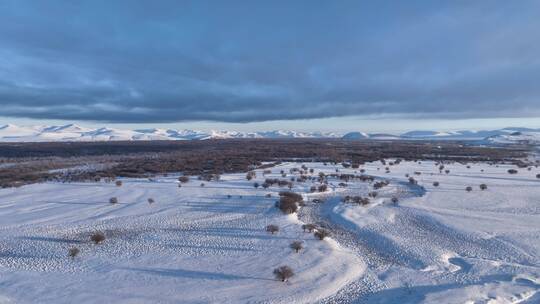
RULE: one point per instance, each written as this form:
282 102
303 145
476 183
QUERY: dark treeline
22 163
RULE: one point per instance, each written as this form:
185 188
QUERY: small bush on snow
297 245
321 234
283 273
272 228
483 186
113 200
309 227
97 237
73 252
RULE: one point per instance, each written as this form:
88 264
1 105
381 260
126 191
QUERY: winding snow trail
442 246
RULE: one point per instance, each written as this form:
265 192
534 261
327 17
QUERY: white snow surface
450 245
196 245
193 245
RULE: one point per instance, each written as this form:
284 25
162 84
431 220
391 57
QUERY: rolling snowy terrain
208 244
72 132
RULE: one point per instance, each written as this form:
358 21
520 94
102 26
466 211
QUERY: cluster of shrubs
288 201
209 177
356 200
275 181
283 273
381 184
347 177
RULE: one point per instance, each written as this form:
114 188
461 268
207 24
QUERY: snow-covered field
197 245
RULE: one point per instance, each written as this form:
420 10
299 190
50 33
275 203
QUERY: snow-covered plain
195 245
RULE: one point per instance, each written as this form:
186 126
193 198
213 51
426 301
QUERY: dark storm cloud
158 61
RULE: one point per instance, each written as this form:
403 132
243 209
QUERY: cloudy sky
328 65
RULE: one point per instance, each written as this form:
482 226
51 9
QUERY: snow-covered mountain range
72 132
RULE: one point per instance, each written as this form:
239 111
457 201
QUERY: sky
375 66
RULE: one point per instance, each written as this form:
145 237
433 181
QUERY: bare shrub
322 188
272 228
256 185
251 175
118 183
287 206
446 171
512 171
73 252
183 179
309 227
394 200
537 175
151 200
97 237
468 189
435 184
268 195
288 201
297 245
202 184
283 273
483 186
113 200
321 234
